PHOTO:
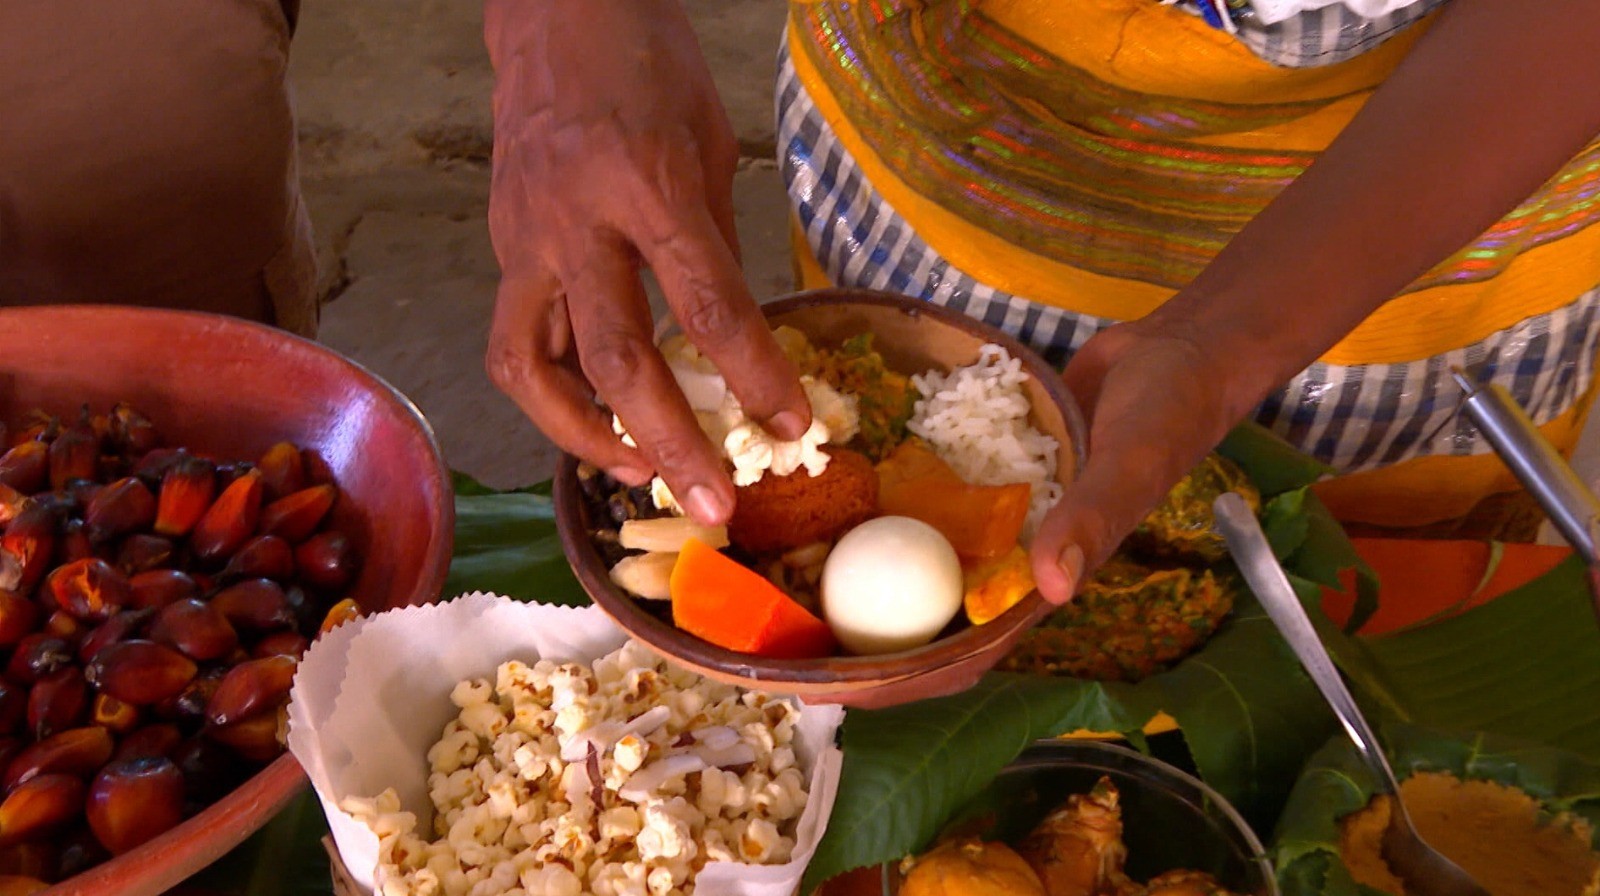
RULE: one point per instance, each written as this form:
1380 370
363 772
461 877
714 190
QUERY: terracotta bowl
231 389
912 336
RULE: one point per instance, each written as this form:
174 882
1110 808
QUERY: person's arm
1491 102
612 151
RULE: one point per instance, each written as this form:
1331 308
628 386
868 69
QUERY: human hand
612 150
1156 400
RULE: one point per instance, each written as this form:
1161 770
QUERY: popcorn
620 779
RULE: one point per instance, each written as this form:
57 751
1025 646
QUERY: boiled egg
891 583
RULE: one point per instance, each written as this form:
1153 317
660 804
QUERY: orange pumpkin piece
980 521
995 586
717 599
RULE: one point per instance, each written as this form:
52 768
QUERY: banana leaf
1335 783
506 542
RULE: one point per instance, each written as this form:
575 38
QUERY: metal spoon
1425 871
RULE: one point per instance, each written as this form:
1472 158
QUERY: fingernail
705 505
788 425
1072 563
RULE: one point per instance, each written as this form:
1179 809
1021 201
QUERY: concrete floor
393 103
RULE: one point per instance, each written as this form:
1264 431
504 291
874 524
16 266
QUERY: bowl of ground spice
1523 819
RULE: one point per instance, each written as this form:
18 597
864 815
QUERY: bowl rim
875 669
1056 752
180 852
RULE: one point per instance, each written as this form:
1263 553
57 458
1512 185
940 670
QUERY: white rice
976 418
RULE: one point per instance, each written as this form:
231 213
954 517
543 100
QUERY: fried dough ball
778 513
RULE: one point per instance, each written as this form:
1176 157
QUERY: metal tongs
1569 503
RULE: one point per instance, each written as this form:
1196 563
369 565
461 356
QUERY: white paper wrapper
373 695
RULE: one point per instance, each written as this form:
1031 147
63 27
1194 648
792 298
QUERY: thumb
1071 541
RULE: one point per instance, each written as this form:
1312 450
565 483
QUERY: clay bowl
912 336
230 389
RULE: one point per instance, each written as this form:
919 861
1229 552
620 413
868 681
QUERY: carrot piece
980 521
715 598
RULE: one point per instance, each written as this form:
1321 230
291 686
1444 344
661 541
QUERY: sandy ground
393 100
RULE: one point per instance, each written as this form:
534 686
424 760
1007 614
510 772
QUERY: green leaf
1273 465
507 543
1325 552
1526 664
909 768
1305 847
284 858
1284 522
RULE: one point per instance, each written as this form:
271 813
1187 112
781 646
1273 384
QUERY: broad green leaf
507 543
284 858
1283 521
1526 665
1325 552
909 768
1274 465
1335 783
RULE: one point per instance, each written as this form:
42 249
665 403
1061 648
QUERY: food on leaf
980 521
972 867
1498 834
669 534
995 586
715 598
1180 529
779 513
891 583
1126 623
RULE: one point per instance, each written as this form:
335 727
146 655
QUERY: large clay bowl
231 389
912 336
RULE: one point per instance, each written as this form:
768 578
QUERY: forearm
1488 105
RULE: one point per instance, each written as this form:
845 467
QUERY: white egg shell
891 583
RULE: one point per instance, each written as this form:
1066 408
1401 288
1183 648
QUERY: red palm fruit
21 884
317 470
159 739
262 557
12 502
281 643
295 516
18 618
327 561
140 672
36 656
230 521
25 861
121 627
57 702
26 548
113 715
156 588
90 589
251 687
141 553
73 542
64 625
282 472
123 506
76 751
340 613
75 454
13 708
254 738
132 433
187 488
196 628
133 801
26 467
153 465
255 605
41 806
189 705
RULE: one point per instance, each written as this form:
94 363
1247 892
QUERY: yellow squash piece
995 586
971 867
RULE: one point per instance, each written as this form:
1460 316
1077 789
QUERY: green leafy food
1335 783
1274 465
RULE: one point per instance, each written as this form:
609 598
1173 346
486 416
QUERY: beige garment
147 157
